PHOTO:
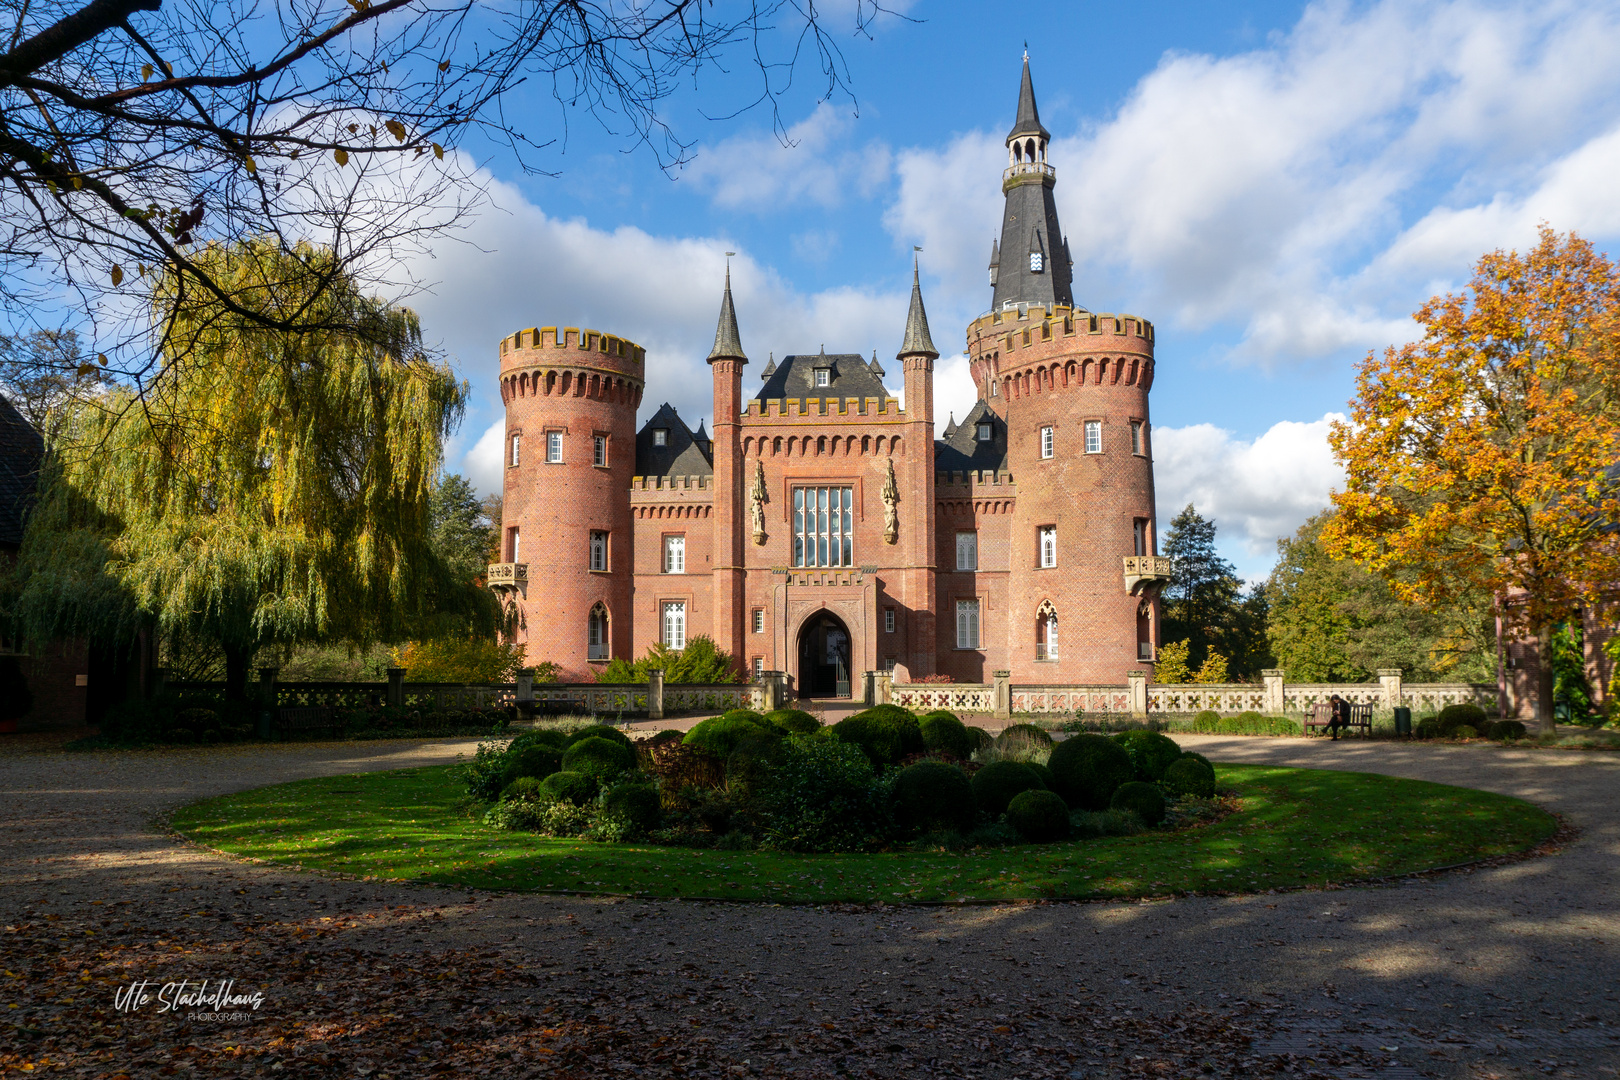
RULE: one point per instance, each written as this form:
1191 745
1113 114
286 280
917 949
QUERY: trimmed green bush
745 714
521 788
792 721
569 787
885 733
1022 739
1188 777
933 795
985 740
1427 728
1205 722
995 785
1249 716
537 760
1265 725
1464 731
1151 753
720 735
542 737
1038 815
748 766
1143 800
1507 729
599 731
944 734
1088 769
1455 716
634 806
1044 772
824 796
599 757
1188 755
668 735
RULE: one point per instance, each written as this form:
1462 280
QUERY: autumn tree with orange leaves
1486 455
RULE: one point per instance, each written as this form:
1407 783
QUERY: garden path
1506 971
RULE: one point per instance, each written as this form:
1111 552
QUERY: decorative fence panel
1195 698
953 697
460 695
1425 698
592 698
719 697
1071 699
1299 697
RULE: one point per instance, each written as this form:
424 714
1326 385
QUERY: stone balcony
1146 571
1025 171
508 575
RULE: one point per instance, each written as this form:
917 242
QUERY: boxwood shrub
720 735
524 787
1044 772
627 809
1507 729
932 795
599 731
1020 739
1143 800
792 721
569 787
536 759
1088 769
943 733
1039 815
824 796
1151 753
995 785
1455 716
1188 776
886 733
599 757
1205 722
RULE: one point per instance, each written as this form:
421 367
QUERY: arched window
1046 632
598 634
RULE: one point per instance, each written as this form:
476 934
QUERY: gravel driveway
1505 971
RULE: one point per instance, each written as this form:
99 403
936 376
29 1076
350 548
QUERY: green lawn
1297 827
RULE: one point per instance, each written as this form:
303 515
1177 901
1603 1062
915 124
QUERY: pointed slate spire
1029 119
727 343
770 367
700 434
950 425
918 342
874 367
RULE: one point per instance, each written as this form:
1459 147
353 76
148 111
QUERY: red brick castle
823 530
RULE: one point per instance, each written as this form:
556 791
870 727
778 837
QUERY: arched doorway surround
825 651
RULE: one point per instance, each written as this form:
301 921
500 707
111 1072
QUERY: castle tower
1071 387
726 361
917 355
570 450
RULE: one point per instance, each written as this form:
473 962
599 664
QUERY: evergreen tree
1205 605
276 490
462 533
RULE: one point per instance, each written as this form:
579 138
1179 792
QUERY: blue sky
1276 186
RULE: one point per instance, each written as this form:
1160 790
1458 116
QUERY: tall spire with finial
1031 263
918 341
727 342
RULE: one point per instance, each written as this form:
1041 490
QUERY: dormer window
823 376
984 432
660 436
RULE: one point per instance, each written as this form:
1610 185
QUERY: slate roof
1029 223
1029 118
727 342
851 377
21 449
961 451
917 340
681 455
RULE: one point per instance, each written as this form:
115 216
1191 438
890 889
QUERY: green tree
1333 621
275 490
1171 666
462 533
1205 604
702 661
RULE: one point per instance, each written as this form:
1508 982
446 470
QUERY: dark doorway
824 651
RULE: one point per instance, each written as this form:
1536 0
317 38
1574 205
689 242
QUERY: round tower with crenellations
569 454
1071 386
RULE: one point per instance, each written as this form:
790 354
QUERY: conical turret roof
918 342
876 368
1029 118
727 342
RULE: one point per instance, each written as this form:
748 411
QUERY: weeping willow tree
274 490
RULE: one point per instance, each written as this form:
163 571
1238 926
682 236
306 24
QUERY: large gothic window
1046 632
598 645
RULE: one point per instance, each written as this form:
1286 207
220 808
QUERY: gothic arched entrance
824 657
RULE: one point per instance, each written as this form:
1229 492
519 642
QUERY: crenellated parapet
975 493
1033 350
819 410
547 361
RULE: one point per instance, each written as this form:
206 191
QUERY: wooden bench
1321 716
309 718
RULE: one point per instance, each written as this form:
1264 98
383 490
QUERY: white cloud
764 172
1255 491
482 463
1268 191
517 267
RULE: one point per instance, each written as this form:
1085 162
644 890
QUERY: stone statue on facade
891 516
756 503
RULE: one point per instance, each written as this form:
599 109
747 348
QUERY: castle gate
824 657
